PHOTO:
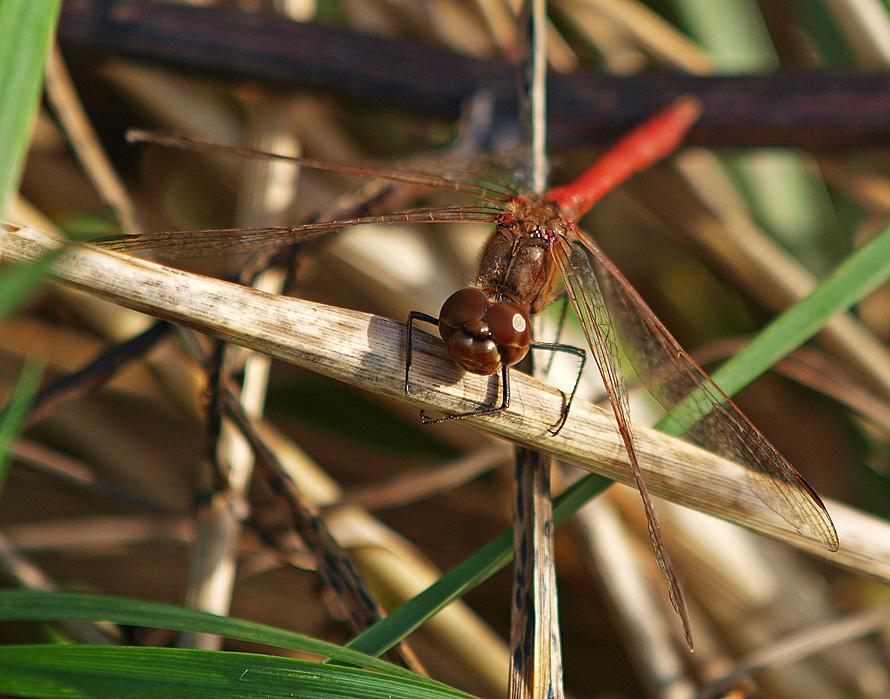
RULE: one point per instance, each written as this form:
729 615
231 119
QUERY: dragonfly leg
427 420
409 328
505 403
582 356
563 299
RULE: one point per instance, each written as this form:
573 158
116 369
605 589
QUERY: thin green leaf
859 275
26 28
96 672
45 606
13 417
732 31
464 577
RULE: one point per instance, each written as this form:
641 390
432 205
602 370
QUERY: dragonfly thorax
488 326
517 263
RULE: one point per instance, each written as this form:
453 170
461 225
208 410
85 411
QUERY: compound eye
511 329
475 354
459 310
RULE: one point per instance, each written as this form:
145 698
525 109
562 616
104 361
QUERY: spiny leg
582 356
409 327
426 419
505 403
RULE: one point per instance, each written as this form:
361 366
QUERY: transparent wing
238 240
463 181
704 413
587 299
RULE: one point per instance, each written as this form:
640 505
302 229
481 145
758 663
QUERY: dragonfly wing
207 242
587 300
239 240
703 412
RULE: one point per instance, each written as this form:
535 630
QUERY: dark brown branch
815 109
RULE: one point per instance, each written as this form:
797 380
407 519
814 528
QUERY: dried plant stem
212 573
366 351
536 669
66 104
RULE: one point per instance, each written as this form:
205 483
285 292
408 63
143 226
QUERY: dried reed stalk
367 351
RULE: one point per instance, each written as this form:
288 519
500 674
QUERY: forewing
704 413
240 240
587 299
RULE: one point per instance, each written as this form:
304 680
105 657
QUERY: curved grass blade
13 416
44 606
466 576
27 26
98 672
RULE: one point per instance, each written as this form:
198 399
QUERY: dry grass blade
97 532
429 482
648 29
62 94
366 351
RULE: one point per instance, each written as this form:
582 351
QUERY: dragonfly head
483 335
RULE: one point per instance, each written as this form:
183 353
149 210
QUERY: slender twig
96 372
332 563
536 669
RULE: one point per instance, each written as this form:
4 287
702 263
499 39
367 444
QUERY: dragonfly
537 240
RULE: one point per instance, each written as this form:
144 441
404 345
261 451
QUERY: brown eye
459 310
475 354
511 330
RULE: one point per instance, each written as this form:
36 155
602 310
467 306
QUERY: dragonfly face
482 336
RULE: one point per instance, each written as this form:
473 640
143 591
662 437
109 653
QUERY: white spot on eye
519 324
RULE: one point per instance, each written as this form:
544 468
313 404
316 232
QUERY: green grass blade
45 606
19 283
732 31
26 28
99 672
859 275
467 575
13 417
